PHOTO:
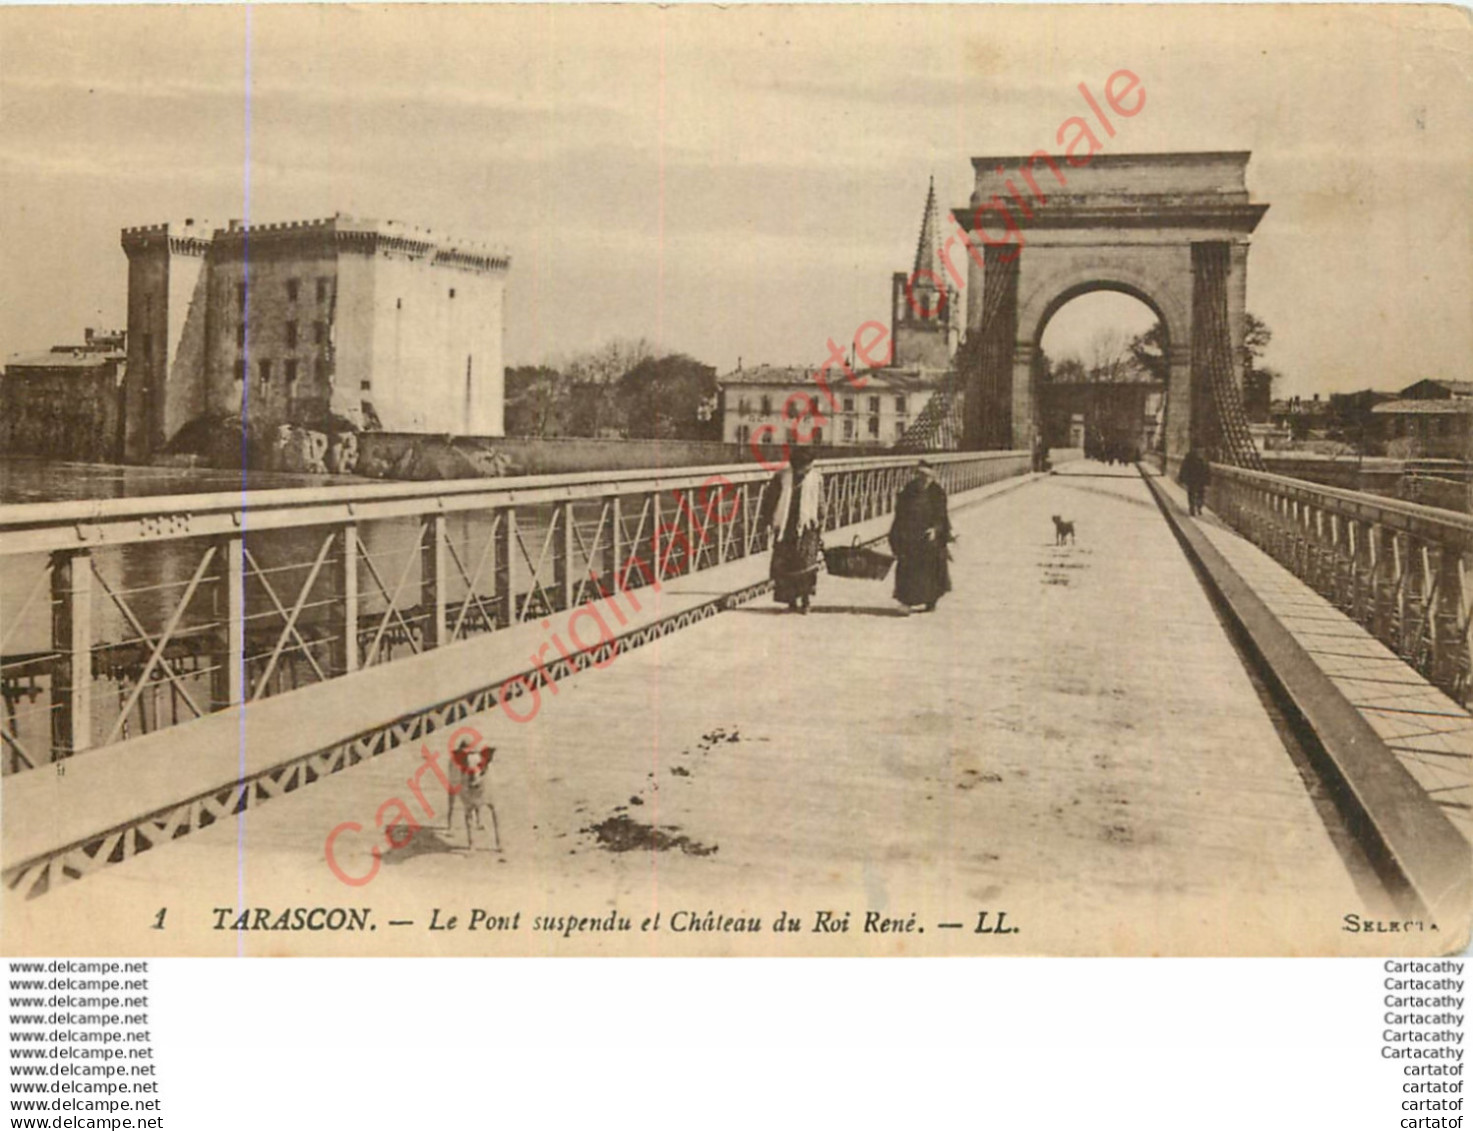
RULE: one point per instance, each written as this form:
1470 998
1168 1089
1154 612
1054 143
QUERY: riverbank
381 456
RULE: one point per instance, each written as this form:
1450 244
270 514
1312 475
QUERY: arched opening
1101 370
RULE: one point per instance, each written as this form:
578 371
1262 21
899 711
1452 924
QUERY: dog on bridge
1062 530
470 770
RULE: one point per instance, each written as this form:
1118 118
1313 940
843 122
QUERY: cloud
746 178
23 161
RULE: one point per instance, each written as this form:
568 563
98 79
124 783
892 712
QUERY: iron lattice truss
941 424
983 364
1225 430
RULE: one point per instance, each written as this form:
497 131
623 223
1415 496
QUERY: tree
594 377
623 388
1258 393
663 398
1256 337
1111 360
1148 351
1069 370
1258 381
537 402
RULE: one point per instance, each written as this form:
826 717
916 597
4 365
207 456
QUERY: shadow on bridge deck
1071 739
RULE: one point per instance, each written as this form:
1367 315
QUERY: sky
740 182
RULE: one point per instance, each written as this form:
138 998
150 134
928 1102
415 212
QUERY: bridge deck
1430 734
1071 738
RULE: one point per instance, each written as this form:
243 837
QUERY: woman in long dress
793 508
918 538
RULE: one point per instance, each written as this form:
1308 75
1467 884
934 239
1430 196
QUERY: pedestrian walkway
1070 738
1430 734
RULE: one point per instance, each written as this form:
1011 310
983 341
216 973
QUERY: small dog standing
469 770
1062 530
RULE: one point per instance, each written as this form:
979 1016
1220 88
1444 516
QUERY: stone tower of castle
323 324
164 387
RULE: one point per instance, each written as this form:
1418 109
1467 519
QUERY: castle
332 324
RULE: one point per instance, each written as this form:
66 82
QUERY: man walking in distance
1195 475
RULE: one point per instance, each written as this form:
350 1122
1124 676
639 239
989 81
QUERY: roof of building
908 379
1456 388
64 357
768 375
1425 408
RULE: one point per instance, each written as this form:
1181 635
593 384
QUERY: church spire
928 247
921 303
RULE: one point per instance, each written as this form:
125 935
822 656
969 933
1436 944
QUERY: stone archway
1049 399
1171 229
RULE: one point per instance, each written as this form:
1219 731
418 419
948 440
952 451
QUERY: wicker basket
857 561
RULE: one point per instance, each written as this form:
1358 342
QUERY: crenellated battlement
241 227
369 237
181 237
362 236
487 261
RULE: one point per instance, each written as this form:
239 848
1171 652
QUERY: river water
147 578
50 481
145 571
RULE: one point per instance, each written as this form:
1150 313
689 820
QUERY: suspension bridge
1257 717
1246 732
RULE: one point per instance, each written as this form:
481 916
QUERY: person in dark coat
1195 475
792 507
918 537
1040 455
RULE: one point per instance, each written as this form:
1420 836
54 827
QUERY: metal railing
124 616
1399 569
